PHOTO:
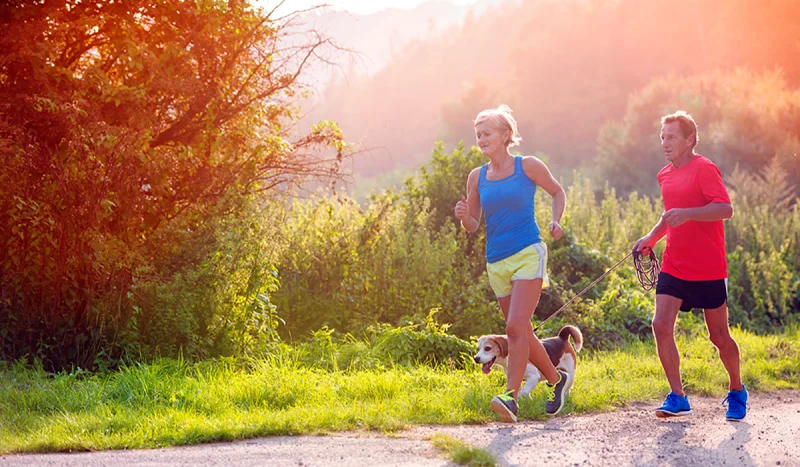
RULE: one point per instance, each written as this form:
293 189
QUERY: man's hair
502 119
686 122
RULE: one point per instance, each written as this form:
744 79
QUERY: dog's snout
477 360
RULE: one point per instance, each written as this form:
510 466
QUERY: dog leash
646 266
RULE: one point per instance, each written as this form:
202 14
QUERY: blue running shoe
737 405
674 406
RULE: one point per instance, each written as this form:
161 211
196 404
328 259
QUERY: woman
515 254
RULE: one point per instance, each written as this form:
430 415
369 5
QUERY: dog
493 350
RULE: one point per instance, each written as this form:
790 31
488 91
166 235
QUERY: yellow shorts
528 264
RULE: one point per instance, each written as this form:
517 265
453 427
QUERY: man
694 268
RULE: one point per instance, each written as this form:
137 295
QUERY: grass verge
173 403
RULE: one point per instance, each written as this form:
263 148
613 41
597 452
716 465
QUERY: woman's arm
537 171
468 209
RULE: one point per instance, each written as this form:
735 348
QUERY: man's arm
659 230
656 234
709 213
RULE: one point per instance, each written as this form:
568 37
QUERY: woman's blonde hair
501 118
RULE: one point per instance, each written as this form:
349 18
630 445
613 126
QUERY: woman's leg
523 346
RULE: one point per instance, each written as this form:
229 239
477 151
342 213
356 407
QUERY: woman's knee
517 328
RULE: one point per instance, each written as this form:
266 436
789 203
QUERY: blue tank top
508 205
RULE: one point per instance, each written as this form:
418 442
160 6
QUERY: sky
360 7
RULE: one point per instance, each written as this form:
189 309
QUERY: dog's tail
576 334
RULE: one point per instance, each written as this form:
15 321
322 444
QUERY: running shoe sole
668 414
559 407
500 409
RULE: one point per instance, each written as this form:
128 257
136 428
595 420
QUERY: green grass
173 402
462 453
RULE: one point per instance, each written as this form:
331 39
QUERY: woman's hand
462 210
555 230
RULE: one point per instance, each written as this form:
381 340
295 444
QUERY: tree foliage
744 119
126 127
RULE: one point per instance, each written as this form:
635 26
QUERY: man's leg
719 333
667 309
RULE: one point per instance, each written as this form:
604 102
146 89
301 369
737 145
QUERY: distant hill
380 36
567 67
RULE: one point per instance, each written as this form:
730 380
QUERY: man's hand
676 216
462 210
555 230
644 245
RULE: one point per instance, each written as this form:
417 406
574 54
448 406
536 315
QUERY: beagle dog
493 350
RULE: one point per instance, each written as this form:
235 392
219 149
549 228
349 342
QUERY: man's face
673 142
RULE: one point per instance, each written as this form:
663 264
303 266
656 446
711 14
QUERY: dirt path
631 436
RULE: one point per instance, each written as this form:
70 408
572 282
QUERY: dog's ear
502 342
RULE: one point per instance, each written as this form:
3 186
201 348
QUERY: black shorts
695 294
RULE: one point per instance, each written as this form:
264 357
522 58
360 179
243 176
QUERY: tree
744 118
125 126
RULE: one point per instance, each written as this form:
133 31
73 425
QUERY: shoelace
506 397
551 389
725 403
672 397
551 392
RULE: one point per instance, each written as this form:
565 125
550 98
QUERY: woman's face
491 139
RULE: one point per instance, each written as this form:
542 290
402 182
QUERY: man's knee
720 337
667 309
663 327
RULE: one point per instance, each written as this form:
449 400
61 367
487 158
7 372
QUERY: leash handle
647 268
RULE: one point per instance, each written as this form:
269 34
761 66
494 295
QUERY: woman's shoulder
532 163
476 171
475 174
535 169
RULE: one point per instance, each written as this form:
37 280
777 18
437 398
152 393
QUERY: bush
380 346
351 267
763 241
217 304
412 344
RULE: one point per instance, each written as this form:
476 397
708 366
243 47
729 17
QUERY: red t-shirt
695 250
